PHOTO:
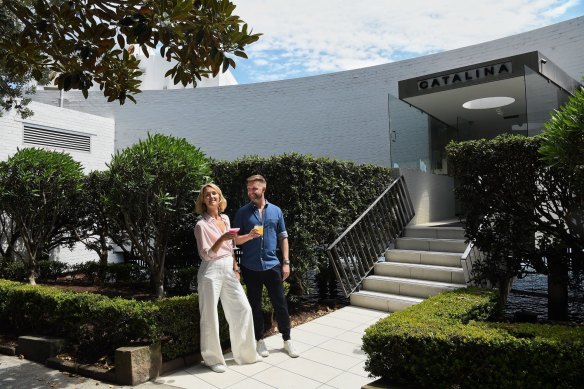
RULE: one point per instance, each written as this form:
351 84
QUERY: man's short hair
256 177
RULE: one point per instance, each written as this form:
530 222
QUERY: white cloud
303 37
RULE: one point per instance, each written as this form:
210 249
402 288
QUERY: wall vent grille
42 136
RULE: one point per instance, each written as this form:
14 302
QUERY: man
262 228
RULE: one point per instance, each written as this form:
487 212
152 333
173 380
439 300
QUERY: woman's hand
228 236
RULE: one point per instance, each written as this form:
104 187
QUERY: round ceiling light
488 102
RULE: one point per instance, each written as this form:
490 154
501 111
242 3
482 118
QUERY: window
45 136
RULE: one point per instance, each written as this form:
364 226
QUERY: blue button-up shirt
260 253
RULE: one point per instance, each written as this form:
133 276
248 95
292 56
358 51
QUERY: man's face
255 191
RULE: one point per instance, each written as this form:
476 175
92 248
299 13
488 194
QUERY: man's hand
285 271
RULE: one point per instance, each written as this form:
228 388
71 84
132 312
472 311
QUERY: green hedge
446 342
98 324
319 197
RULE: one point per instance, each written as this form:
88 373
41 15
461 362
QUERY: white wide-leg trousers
217 281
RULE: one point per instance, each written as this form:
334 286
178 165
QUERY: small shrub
98 324
89 271
130 272
181 279
51 270
13 270
446 342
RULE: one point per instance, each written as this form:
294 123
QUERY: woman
218 278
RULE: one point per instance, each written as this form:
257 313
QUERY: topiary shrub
446 342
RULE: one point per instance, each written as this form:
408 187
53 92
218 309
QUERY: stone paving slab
18 373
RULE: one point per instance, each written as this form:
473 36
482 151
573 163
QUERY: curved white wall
341 115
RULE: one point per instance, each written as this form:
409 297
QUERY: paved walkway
23 374
330 357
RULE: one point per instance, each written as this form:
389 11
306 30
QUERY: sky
310 37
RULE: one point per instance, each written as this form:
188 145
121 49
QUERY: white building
396 114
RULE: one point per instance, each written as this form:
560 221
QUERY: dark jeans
272 279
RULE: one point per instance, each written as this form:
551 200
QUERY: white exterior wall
102 147
432 195
341 115
101 129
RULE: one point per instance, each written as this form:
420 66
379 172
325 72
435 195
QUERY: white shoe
218 368
262 349
289 347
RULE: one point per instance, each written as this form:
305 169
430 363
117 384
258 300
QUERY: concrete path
330 357
23 374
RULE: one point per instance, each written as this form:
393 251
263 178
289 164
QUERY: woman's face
211 197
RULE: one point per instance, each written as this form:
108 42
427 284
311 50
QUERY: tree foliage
15 76
152 194
90 42
521 213
40 194
93 228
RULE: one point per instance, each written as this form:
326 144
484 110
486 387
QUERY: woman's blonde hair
200 206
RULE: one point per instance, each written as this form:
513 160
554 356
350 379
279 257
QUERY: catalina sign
466 76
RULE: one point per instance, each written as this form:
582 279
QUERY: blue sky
309 37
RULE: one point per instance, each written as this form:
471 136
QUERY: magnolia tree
40 194
153 189
90 42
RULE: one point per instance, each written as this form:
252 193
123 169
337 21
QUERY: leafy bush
181 279
130 272
153 189
445 342
40 191
524 215
89 270
319 197
13 270
98 324
50 270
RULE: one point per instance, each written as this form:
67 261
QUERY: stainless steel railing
354 253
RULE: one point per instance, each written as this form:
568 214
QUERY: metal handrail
355 252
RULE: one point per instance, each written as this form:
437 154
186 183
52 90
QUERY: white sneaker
289 347
262 349
218 368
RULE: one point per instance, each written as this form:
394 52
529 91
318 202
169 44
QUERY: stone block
135 365
39 349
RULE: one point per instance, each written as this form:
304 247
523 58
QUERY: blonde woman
218 279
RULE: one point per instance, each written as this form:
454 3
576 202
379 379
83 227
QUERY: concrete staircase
425 262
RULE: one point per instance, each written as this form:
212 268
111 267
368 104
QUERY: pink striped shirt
207 233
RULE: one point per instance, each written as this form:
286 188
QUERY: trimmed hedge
320 198
99 324
446 342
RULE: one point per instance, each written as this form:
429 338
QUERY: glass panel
440 135
409 136
542 98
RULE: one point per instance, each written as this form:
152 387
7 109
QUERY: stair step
383 301
419 271
407 286
423 257
429 244
434 232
